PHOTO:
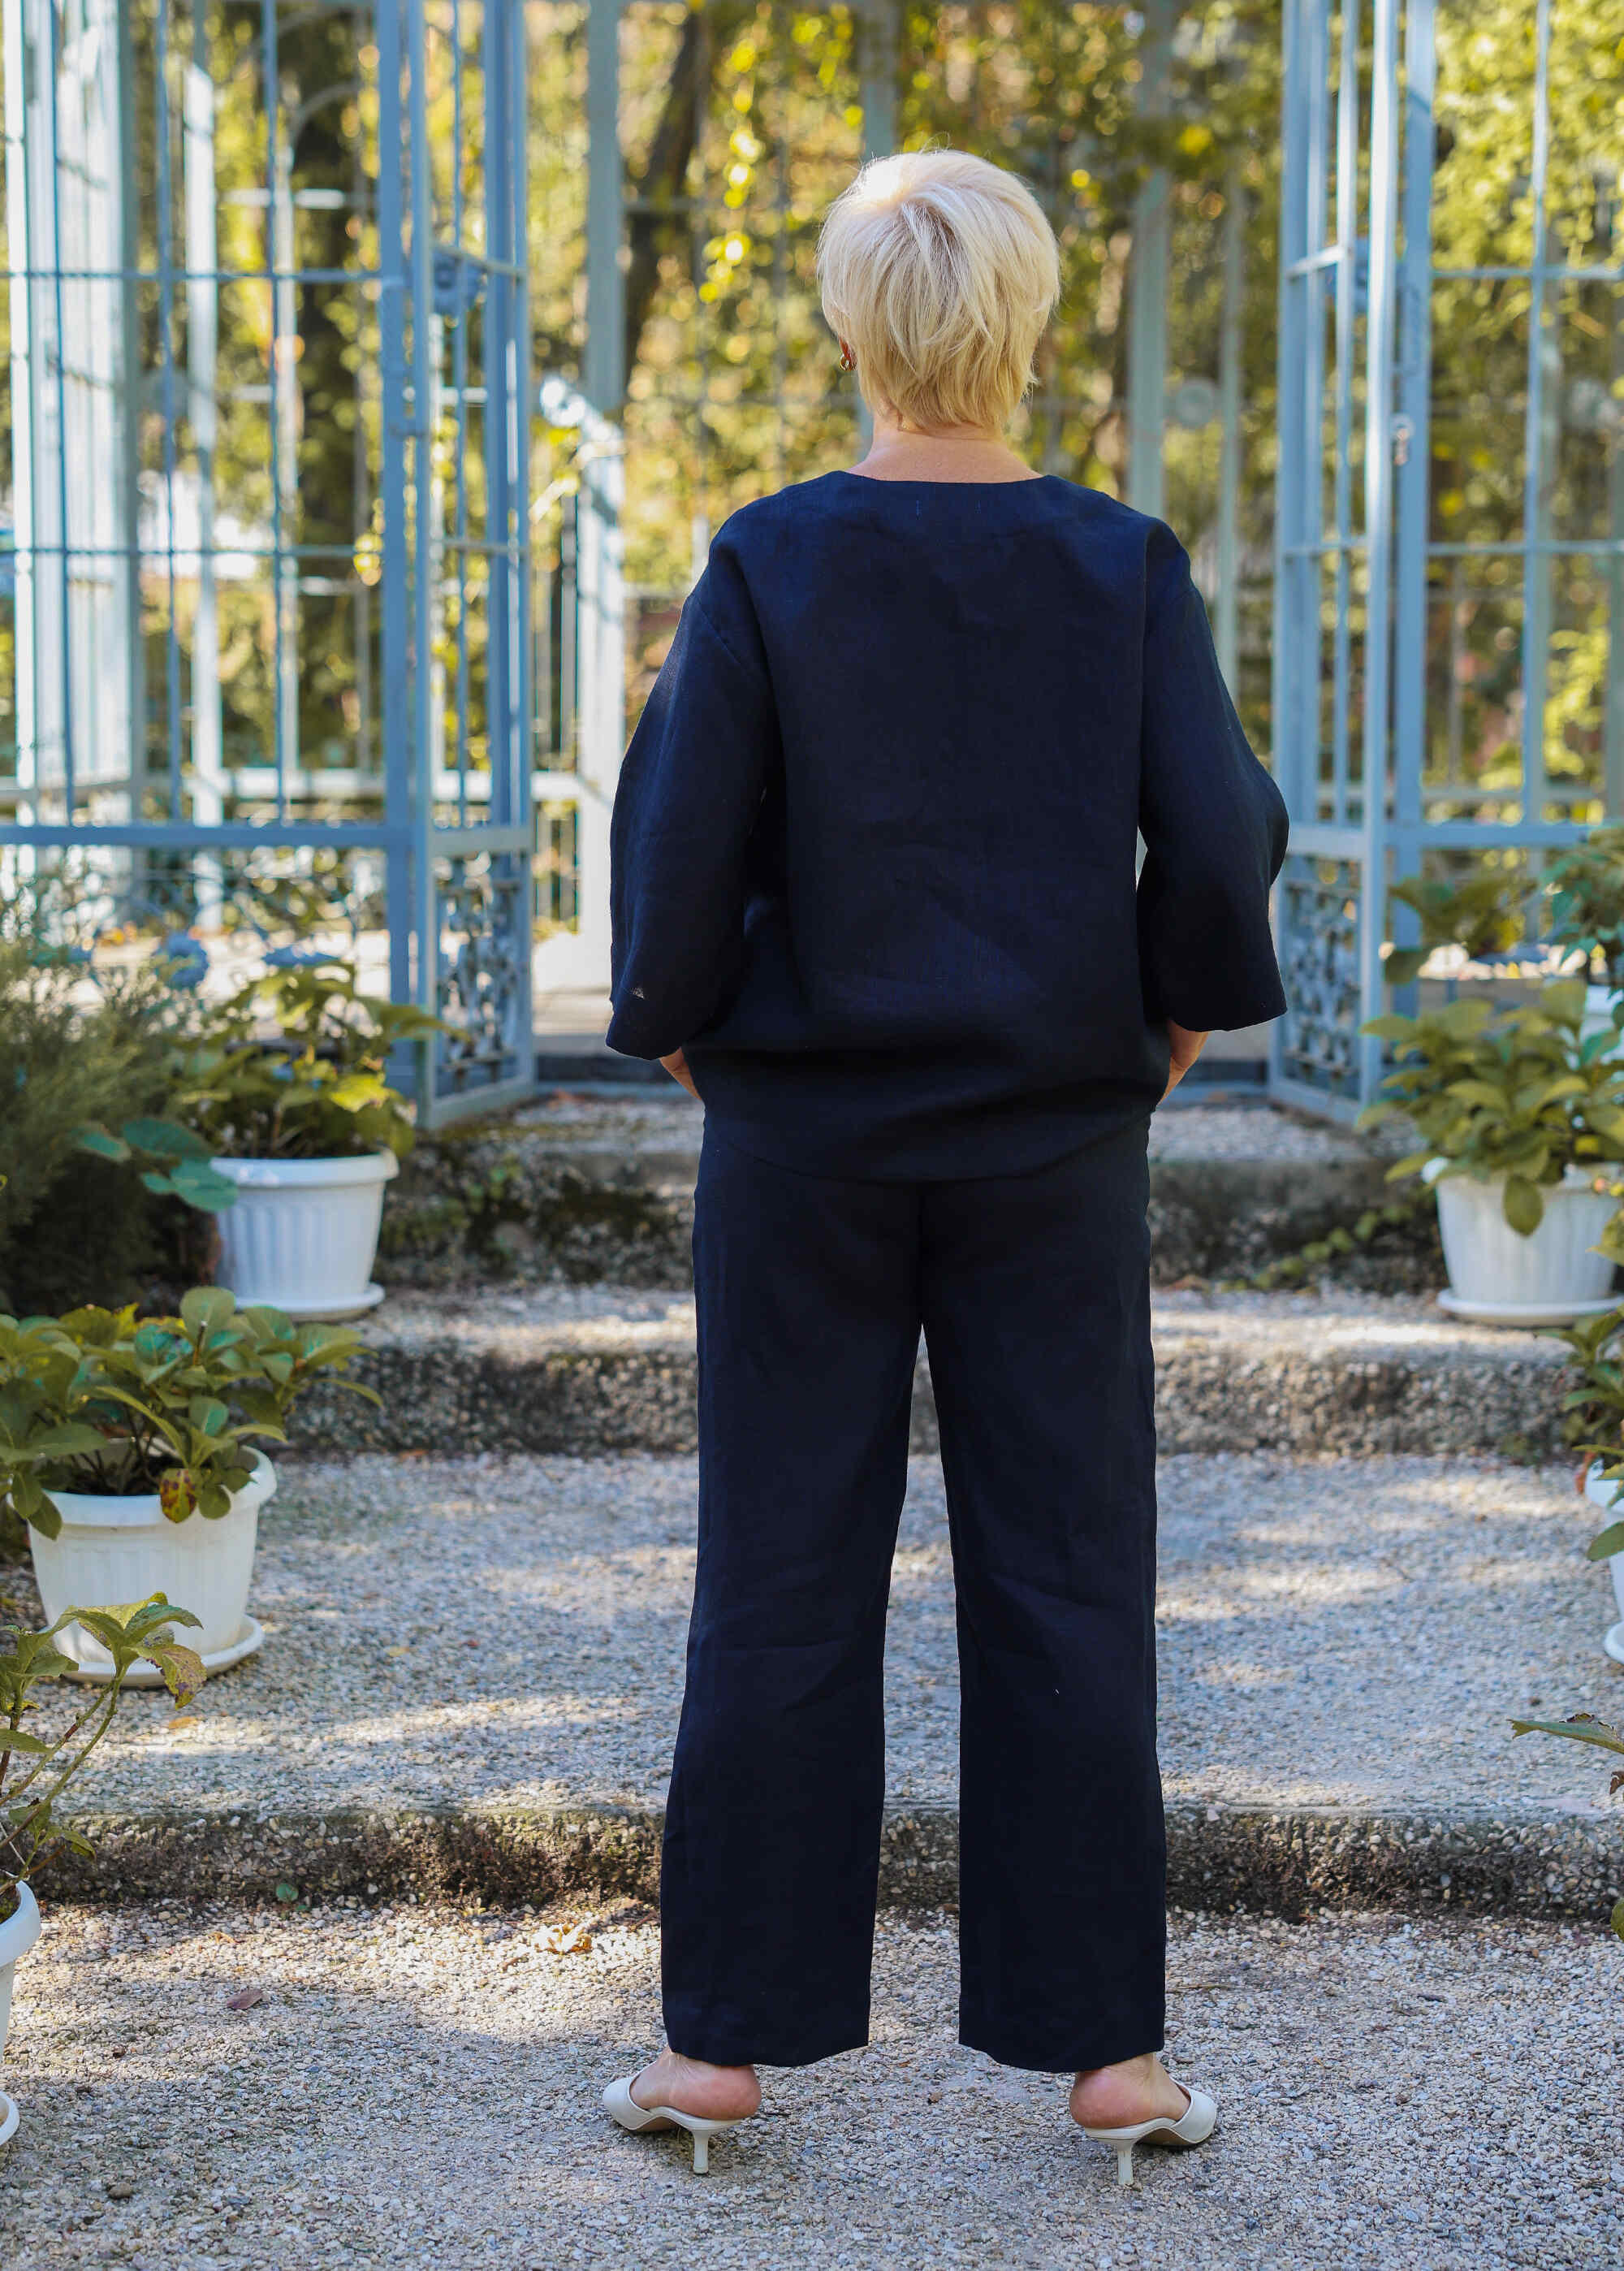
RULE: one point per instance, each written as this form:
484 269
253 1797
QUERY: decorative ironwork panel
482 948
1319 941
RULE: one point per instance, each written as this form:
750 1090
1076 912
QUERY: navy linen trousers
1032 1292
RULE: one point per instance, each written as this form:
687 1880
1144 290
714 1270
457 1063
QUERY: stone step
584 1370
472 1670
597 1187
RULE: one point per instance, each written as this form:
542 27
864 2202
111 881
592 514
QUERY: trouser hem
1082 2054
724 2046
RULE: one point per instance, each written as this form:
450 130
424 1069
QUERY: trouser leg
807 1296
1035 1291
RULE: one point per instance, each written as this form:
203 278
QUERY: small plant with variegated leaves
36 1770
106 1404
1585 1727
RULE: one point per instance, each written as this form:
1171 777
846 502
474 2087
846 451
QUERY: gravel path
420 2088
510 1631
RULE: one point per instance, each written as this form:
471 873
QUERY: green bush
36 1770
72 1051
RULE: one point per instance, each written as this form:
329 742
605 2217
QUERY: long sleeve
689 793
1213 823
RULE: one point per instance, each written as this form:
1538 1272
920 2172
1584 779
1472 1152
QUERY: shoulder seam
715 630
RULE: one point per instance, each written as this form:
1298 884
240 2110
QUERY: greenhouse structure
378 371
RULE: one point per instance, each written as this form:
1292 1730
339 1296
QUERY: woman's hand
1184 1048
676 1065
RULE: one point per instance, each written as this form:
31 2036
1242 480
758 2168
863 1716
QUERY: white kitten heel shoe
621 2106
1193 2128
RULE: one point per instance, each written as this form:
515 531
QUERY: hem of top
1230 1022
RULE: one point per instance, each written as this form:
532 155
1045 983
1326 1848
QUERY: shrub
1482 913
35 1769
72 1050
1587 900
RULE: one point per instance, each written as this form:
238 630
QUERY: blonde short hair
939 270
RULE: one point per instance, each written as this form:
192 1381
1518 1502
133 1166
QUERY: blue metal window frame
1331 915
459 891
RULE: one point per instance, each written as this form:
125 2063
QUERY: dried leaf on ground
564 1939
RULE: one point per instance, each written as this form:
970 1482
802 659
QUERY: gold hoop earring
848 361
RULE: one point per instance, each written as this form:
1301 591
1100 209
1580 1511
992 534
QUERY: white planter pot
17 1935
113 1549
1609 1497
1499 1276
303 1233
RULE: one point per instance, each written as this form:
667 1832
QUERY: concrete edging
1290 1861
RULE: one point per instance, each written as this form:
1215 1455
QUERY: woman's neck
965 453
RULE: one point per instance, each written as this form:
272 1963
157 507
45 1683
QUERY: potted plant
1522 1127
1595 1425
307 1128
35 1769
126 1445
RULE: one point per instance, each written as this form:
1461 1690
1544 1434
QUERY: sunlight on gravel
420 2088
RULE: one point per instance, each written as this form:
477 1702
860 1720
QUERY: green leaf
1524 1206
177 1494
181 1667
201 1186
97 1141
1610 1542
206 1308
208 1414
1473 1091
14 1739
158 1612
1411 1164
1582 1728
1564 1001
1617 1919
287 1894
166 1137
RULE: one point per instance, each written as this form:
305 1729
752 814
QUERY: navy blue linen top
873 845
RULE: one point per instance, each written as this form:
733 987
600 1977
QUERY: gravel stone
421 2086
